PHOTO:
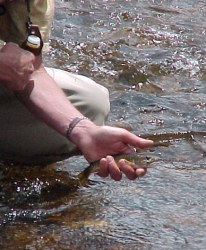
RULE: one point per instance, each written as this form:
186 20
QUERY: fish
167 137
132 159
138 159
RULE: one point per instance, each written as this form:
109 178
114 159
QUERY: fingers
127 170
103 172
113 169
9 46
108 166
141 171
131 172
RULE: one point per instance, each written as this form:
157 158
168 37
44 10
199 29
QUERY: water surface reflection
151 56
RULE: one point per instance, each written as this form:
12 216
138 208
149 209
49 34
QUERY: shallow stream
151 57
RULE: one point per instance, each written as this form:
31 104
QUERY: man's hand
108 167
16 66
101 142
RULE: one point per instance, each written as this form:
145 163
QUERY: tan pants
23 138
26 140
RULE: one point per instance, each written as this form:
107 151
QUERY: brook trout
132 160
160 140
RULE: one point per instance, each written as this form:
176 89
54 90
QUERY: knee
95 97
99 101
89 97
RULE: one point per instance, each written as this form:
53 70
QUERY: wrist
73 124
78 129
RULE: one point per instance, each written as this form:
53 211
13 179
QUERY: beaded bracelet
73 124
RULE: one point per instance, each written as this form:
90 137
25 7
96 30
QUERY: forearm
48 102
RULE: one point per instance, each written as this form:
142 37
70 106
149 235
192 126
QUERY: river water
151 57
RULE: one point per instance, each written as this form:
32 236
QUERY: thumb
137 141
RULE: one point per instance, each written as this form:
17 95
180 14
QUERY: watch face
2 10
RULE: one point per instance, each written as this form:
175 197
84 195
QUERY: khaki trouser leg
24 139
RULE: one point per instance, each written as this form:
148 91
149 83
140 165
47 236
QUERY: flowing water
151 56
